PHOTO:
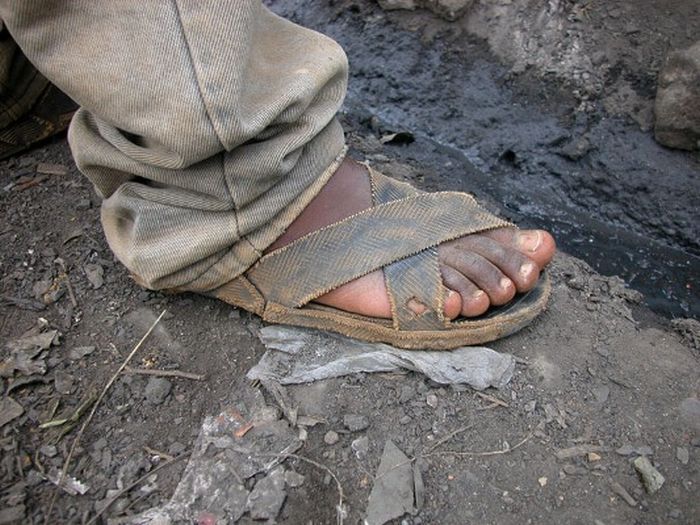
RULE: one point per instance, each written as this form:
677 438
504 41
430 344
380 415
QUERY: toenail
530 240
527 269
478 295
506 283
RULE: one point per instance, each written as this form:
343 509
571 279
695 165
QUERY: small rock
94 274
431 400
682 455
690 410
542 481
592 456
405 420
266 499
331 437
355 423
530 406
293 479
79 352
622 492
9 410
63 382
84 204
651 478
48 450
360 447
677 104
576 149
157 389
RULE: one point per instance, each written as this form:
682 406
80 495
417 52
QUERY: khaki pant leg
206 126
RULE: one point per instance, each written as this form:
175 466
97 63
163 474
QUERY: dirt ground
601 379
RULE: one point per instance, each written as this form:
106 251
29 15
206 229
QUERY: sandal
399 234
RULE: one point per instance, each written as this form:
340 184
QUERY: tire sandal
400 235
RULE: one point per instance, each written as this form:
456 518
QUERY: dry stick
493 399
164 373
65 278
64 470
154 452
482 454
137 482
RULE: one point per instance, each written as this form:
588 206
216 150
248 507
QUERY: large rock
448 9
677 106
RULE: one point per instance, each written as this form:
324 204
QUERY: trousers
206 127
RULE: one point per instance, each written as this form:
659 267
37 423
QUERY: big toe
538 245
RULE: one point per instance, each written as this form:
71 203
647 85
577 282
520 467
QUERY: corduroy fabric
206 126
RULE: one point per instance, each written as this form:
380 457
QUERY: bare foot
478 270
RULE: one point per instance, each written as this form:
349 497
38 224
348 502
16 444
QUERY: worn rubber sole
497 323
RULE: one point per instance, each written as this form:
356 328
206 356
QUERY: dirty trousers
206 126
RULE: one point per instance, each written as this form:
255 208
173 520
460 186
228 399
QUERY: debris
266 499
293 358
622 492
592 457
578 450
542 481
69 484
418 486
51 169
355 423
431 400
164 373
392 495
682 455
552 413
79 352
63 382
25 353
651 478
95 274
9 410
360 447
24 304
331 438
157 389
293 479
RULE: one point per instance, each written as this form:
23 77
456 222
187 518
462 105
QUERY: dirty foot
478 270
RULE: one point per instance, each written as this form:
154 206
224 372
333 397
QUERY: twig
493 399
449 436
340 511
64 470
164 373
135 483
482 454
65 278
154 452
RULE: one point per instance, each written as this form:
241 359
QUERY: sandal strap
292 276
414 284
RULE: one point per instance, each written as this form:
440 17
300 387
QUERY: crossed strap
399 234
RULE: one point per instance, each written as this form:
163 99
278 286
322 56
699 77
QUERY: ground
601 378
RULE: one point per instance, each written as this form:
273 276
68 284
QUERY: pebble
94 274
293 479
682 455
431 400
405 420
157 389
355 423
48 450
360 447
601 393
331 437
63 382
651 478
80 352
